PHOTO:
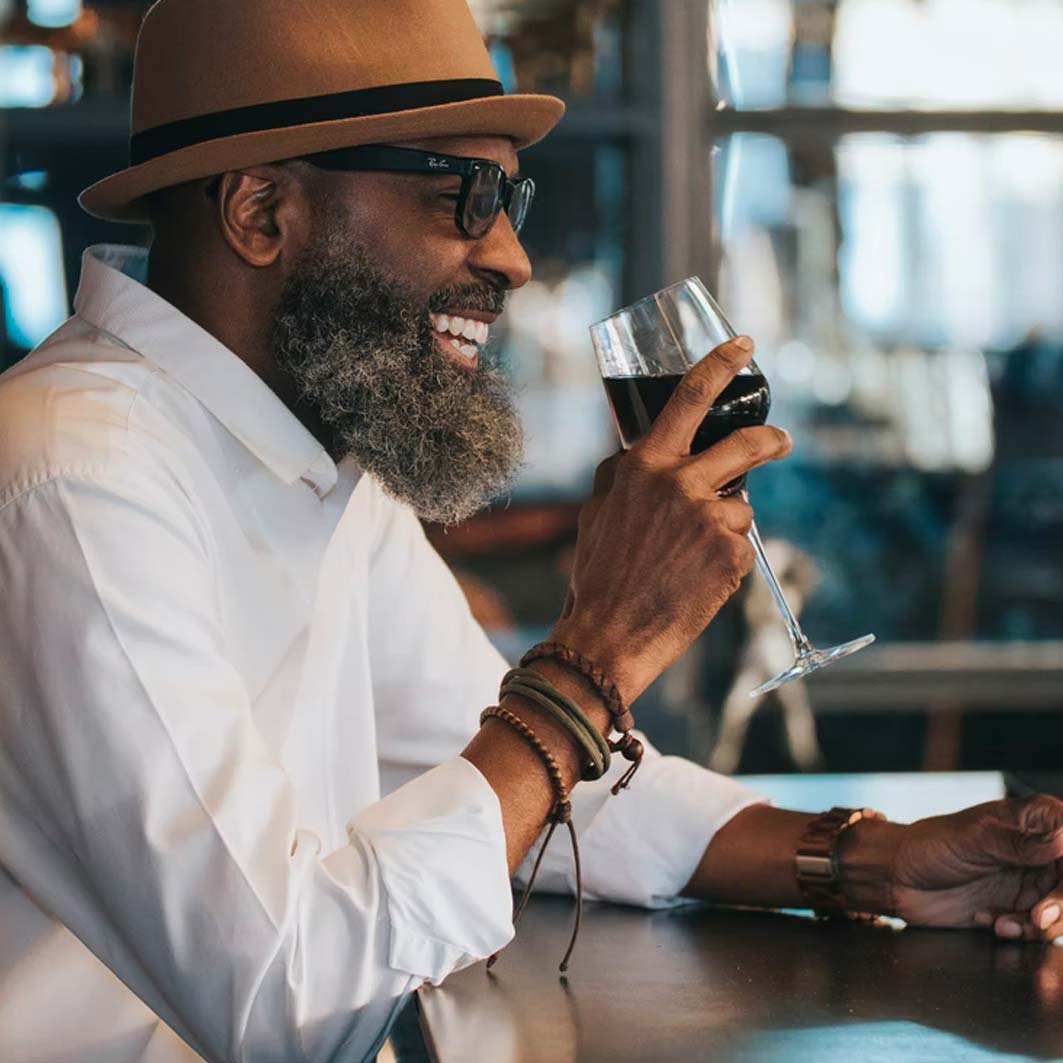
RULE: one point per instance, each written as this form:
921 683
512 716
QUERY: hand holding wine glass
660 549
648 352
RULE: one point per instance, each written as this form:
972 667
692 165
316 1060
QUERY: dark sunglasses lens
484 200
520 202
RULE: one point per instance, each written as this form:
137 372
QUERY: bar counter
735 986
747 987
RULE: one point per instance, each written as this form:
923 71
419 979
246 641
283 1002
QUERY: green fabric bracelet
535 687
593 767
530 677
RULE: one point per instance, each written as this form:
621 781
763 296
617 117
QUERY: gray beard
359 347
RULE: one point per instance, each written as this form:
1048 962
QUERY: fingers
1044 922
1047 914
735 455
673 431
1041 815
736 515
1013 928
1017 927
1043 819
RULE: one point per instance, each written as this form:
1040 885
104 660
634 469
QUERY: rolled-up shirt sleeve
436 908
142 809
641 846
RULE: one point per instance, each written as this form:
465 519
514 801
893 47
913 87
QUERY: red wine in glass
637 400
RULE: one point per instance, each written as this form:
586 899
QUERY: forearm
750 861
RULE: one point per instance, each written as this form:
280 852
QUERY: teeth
466 349
461 327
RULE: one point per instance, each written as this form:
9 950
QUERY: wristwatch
816 860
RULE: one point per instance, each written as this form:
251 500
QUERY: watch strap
816 859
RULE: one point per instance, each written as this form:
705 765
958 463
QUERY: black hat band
282 114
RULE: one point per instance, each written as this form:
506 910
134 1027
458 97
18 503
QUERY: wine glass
643 352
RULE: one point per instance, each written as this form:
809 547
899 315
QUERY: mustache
482 297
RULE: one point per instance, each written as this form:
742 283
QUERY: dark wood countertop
699 983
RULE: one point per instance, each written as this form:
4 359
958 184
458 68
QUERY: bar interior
872 190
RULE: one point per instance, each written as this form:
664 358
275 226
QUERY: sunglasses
486 190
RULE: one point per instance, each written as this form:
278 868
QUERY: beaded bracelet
561 812
628 746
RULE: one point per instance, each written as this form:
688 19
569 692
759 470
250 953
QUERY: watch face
815 865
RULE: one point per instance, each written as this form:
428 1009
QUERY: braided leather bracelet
561 812
628 746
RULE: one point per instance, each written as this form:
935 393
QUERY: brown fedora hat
223 84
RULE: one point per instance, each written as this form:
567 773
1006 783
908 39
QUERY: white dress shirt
234 683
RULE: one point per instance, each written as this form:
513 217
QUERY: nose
499 257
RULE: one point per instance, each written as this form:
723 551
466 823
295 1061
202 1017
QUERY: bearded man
246 802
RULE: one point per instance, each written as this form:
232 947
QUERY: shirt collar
113 297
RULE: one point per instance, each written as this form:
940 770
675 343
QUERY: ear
261 212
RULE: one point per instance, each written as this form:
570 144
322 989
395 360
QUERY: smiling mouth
461 338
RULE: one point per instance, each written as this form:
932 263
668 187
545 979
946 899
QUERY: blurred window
27 75
31 271
573 48
889 54
34 75
902 273
53 13
575 235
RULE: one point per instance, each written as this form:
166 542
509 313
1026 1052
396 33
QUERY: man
245 804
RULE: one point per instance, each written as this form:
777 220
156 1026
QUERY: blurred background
874 191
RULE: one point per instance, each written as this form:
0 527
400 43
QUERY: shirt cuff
441 851
642 846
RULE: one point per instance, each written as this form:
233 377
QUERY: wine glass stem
802 647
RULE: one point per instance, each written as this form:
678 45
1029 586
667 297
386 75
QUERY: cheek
418 248
418 263
426 278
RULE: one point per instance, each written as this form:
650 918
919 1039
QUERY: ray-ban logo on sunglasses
438 164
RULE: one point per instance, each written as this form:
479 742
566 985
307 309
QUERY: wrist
593 641
550 732
575 686
606 691
866 857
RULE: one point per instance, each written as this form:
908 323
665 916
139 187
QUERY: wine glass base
812 661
